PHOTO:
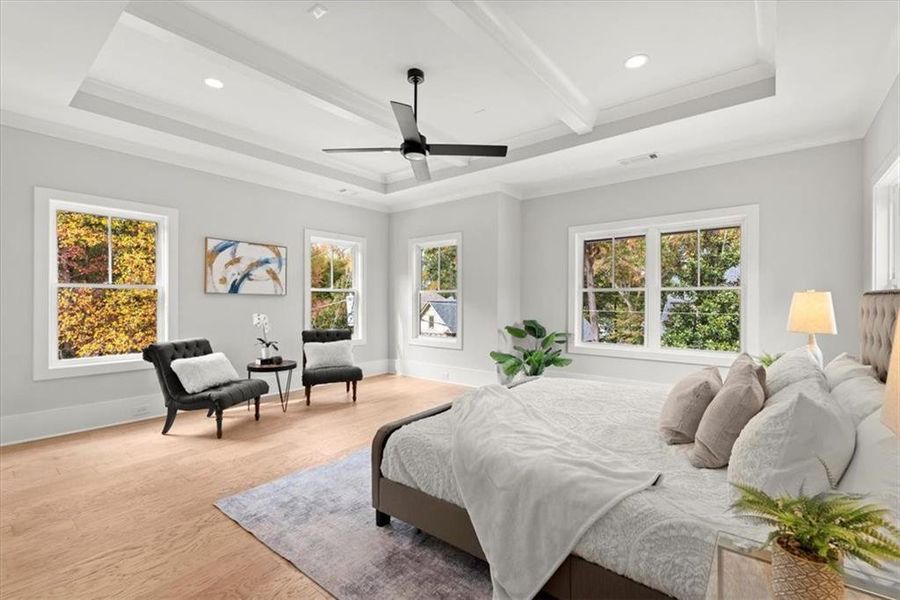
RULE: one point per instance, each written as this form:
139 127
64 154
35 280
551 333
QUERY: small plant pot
796 577
264 352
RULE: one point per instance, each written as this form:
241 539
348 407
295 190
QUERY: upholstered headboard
877 313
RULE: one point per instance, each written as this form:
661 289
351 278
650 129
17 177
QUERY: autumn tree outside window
679 288
436 266
107 263
334 276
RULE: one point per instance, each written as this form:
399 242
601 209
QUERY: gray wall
208 205
810 237
490 226
881 147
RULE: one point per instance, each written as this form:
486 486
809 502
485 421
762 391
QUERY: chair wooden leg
348 386
256 402
354 391
382 519
210 412
170 418
218 423
308 390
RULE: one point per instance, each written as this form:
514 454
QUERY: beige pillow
686 403
742 396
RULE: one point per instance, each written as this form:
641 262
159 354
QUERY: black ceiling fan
415 148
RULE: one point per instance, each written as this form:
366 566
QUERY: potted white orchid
261 321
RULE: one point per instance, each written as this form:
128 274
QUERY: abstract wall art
234 267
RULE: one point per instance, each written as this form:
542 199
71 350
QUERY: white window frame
46 361
358 247
886 229
416 245
746 217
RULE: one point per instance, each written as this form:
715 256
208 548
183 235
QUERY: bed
655 544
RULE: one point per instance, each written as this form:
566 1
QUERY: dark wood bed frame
576 578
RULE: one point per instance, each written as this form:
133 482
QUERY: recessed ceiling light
637 61
318 11
214 83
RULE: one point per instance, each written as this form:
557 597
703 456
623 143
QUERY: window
886 230
334 267
107 265
678 288
437 277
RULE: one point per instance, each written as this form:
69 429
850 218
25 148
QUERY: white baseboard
446 373
41 424
37 425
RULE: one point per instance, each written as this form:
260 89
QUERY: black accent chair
311 377
213 400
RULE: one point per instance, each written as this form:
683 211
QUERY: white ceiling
726 80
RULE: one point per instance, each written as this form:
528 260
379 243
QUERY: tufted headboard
877 313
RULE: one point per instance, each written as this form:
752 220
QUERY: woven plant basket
797 578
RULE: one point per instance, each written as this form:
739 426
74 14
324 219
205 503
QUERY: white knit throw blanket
531 487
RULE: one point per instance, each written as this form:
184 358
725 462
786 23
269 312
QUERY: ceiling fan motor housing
414 150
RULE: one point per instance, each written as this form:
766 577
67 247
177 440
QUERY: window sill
690 357
449 344
91 368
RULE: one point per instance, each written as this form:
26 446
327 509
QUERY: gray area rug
322 520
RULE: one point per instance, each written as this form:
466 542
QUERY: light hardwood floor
125 512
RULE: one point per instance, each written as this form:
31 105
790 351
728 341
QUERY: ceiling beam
477 21
319 89
136 116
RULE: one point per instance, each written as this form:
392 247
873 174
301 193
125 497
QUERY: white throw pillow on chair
203 372
328 354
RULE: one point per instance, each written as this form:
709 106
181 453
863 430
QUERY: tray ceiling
724 79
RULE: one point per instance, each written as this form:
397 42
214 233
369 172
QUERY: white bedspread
531 486
662 537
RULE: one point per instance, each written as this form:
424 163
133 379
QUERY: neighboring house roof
446 310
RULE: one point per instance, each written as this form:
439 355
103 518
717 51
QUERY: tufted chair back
163 353
877 313
324 336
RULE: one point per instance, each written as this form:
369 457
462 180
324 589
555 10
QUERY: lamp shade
812 312
890 412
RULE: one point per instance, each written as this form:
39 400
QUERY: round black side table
285 365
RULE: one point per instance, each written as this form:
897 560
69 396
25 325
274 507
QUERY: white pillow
859 397
875 468
845 367
814 387
793 366
203 372
782 448
328 354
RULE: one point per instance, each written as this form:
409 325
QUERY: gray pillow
844 367
742 396
793 366
686 403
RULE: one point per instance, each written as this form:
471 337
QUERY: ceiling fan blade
420 168
465 150
406 119
345 150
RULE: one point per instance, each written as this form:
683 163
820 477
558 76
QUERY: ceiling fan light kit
415 148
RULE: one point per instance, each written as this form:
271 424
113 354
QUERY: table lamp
890 412
812 312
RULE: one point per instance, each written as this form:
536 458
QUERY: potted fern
813 535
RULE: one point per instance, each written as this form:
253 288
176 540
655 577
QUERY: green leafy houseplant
813 534
544 351
766 359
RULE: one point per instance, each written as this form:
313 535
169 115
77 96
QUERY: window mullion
652 285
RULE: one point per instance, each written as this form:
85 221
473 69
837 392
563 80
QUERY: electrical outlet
446 374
